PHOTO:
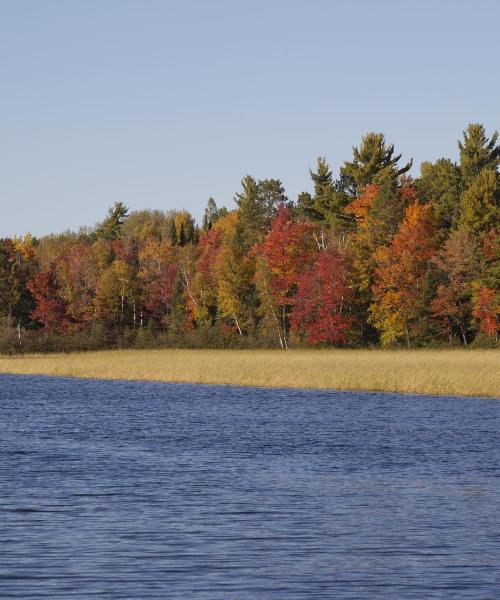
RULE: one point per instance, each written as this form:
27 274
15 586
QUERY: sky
162 103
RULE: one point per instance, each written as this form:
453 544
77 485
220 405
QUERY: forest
369 257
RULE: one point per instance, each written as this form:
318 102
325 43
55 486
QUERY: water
139 490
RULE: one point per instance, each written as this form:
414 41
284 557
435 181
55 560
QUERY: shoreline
456 372
251 387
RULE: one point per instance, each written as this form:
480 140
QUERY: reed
441 372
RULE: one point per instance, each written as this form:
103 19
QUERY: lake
151 490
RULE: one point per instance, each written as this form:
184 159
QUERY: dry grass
444 372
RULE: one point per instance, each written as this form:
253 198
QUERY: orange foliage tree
399 280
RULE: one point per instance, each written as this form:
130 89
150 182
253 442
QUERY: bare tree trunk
464 337
237 325
275 317
185 285
320 242
283 321
277 326
19 333
123 300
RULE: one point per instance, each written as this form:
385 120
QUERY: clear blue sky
162 103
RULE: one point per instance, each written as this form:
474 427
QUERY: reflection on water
138 490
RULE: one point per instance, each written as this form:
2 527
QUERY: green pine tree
329 198
210 215
477 152
374 162
439 183
111 228
480 203
258 204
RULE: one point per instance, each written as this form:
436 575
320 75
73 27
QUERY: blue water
143 490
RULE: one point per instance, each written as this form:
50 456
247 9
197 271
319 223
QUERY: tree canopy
366 255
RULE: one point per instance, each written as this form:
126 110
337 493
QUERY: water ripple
140 490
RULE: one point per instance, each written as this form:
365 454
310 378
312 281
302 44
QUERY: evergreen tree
182 236
111 227
210 215
173 233
477 152
9 288
480 203
324 197
305 207
271 195
185 229
374 162
439 183
258 205
388 209
322 179
330 197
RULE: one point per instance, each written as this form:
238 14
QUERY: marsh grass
443 372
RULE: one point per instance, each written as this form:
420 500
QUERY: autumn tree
186 257
399 280
458 265
17 265
143 225
77 273
366 254
50 308
486 288
377 214
157 276
205 279
321 307
116 294
237 299
487 311
286 251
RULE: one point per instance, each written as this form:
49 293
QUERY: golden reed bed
443 372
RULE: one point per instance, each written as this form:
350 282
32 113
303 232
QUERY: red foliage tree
157 274
50 308
487 312
287 250
320 308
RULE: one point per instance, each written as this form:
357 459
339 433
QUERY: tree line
369 257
